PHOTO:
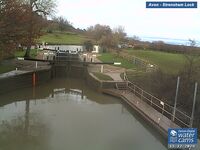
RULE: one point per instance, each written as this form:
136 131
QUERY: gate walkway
156 112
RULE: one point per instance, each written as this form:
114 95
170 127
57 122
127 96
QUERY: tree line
162 46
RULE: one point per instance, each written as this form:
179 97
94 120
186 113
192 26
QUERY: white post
194 102
163 104
94 56
101 68
36 64
176 97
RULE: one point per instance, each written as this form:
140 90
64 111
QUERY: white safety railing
180 118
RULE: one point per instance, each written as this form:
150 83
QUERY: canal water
65 114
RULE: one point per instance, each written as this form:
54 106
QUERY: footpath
113 71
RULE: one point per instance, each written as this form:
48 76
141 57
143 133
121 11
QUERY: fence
180 118
144 64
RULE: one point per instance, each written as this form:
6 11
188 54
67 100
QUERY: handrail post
177 88
194 102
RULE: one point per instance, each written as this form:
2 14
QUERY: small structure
96 49
48 55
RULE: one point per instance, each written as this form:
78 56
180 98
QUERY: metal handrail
150 98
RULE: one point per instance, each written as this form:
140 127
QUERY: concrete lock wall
68 71
24 80
41 76
97 84
92 81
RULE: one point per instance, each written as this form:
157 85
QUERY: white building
72 49
96 49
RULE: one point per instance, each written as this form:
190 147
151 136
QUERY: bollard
158 120
36 64
101 68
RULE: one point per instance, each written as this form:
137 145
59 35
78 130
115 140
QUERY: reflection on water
67 115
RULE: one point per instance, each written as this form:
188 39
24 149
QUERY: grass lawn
63 38
109 57
102 76
6 68
33 53
168 62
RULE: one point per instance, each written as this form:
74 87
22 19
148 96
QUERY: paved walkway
113 71
114 76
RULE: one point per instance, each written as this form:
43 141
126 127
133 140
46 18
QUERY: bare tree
37 9
191 57
13 17
63 23
98 31
119 34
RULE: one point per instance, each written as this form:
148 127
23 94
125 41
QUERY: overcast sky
132 14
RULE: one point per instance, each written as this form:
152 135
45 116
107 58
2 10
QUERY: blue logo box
171 4
182 138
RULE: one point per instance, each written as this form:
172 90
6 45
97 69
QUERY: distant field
63 38
168 62
109 57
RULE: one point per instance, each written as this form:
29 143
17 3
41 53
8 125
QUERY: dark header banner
171 4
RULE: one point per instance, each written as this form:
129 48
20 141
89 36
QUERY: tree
191 72
192 42
107 42
12 20
98 31
63 24
119 34
191 58
37 11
